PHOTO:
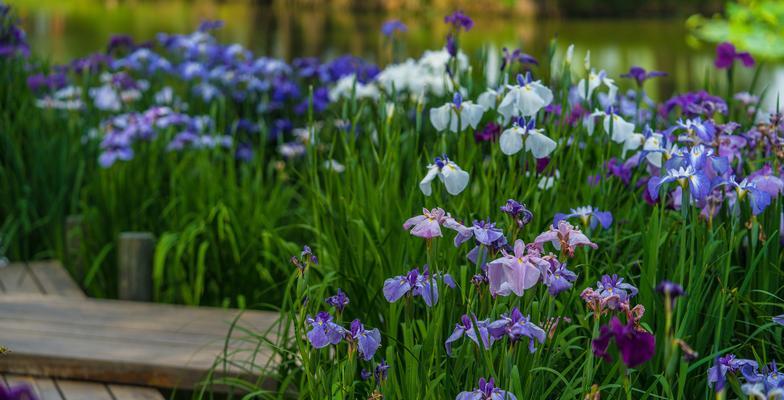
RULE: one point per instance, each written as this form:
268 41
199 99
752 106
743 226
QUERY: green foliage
752 25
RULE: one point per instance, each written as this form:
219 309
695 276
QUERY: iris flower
339 301
589 216
594 81
564 237
514 273
486 391
640 75
448 115
729 364
394 25
525 135
415 283
324 332
368 341
428 225
466 327
697 181
454 178
759 199
515 326
768 385
556 277
636 346
726 56
524 99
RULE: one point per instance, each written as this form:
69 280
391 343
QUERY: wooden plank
84 390
122 392
124 342
54 279
16 278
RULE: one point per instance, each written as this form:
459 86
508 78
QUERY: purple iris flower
18 392
368 341
694 104
610 294
588 215
729 364
670 289
324 332
486 391
516 56
394 25
726 54
636 346
381 371
640 75
208 25
415 283
759 199
515 326
779 320
622 171
489 133
485 232
466 327
451 47
339 301
459 21
556 277
767 384
519 212
244 152
696 180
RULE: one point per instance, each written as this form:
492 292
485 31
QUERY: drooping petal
454 178
540 145
471 114
318 337
395 288
511 140
605 218
424 185
368 342
440 116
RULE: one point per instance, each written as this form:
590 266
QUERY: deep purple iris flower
515 326
489 133
636 346
640 75
486 391
693 104
459 21
726 54
394 25
516 56
324 332
368 341
340 300
670 289
519 212
415 283
466 327
620 170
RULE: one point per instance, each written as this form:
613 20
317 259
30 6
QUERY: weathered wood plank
54 279
16 278
122 392
124 342
84 390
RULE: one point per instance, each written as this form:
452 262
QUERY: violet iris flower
556 277
717 374
485 234
610 294
339 301
415 283
516 56
515 326
636 346
726 54
696 180
393 25
589 216
514 273
519 212
368 341
759 199
324 332
766 385
489 133
640 75
779 320
459 21
466 327
486 391
694 104
670 289
565 238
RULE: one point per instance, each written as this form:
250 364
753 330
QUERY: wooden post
134 261
74 240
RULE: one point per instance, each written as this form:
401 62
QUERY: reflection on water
61 30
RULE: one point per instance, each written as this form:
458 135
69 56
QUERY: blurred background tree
756 26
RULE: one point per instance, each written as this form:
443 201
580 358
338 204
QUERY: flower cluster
325 332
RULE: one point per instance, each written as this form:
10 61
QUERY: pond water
61 30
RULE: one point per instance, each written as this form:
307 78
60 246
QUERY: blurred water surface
60 30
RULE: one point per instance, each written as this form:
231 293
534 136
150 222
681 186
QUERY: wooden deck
59 389
53 331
